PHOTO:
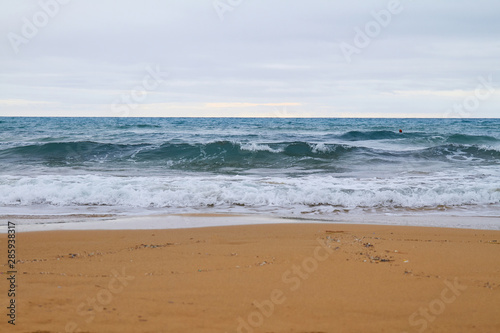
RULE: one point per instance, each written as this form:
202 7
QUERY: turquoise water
285 167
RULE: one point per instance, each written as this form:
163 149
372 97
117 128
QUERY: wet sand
261 278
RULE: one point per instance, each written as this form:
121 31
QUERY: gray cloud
89 53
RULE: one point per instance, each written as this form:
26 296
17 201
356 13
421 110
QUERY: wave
389 135
369 135
226 154
128 126
68 151
459 152
308 194
222 152
472 139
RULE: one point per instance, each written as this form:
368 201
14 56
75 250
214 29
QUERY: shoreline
259 278
29 223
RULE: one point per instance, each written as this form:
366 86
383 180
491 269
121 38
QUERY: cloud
262 54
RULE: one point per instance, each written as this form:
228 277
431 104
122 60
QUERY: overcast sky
314 58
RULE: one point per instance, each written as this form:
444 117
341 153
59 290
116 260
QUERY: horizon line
246 117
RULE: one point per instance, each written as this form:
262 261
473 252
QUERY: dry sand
262 278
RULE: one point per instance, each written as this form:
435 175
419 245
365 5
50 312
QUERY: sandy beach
261 278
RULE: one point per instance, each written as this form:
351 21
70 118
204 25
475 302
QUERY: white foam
253 146
320 147
317 194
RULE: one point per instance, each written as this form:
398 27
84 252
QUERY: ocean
307 168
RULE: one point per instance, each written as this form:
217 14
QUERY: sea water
279 167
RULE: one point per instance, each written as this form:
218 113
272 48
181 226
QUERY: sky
250 58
